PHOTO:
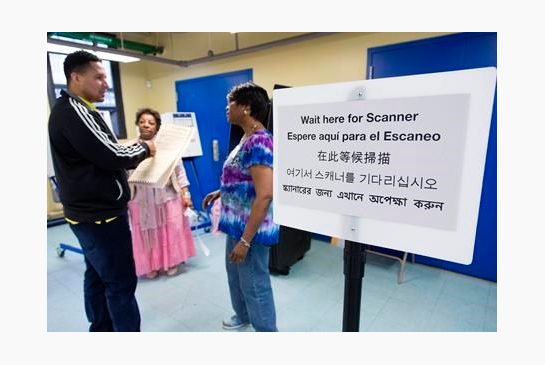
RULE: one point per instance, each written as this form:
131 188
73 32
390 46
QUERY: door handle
215 150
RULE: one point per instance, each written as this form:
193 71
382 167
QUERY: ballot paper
171 142
193 217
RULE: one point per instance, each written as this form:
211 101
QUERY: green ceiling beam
110 41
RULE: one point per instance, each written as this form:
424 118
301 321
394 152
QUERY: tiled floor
309 299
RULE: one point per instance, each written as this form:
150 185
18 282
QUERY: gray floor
309 299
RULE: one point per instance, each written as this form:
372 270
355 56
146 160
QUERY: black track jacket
89 163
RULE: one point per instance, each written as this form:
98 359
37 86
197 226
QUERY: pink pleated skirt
171 245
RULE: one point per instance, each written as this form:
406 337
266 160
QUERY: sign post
354 270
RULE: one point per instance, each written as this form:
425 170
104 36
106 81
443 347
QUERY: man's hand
152 148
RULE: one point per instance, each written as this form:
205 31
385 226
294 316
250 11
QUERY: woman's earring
245 112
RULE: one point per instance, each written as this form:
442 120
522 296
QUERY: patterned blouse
238 190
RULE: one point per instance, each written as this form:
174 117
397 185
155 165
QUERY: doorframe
189 163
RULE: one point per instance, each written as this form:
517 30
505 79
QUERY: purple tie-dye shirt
238 190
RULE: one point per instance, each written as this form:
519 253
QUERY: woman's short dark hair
254 96
77 62
149 111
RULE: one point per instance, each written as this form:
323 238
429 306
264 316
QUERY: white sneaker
233 323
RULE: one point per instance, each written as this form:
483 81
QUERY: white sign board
394 162
186 119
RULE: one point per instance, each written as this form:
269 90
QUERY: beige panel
134 91
189 46
54 209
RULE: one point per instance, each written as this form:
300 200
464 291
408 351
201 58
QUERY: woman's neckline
254 132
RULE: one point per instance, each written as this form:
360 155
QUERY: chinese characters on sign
397 160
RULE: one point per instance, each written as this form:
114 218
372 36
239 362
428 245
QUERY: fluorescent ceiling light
57 48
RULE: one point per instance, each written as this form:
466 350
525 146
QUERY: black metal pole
354 267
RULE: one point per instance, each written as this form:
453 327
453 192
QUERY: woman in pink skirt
161 233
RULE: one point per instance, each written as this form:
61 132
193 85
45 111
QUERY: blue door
206 97
449 53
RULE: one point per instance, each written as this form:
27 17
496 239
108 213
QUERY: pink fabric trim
216 210
164 246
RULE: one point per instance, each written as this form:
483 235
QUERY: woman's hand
238 255
188 203
209 199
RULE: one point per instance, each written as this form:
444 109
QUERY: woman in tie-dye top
246 211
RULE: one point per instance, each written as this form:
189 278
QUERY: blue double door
449 53
206 97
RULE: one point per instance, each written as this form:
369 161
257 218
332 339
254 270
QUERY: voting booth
293 243
186 119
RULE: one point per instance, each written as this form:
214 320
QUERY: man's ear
74 77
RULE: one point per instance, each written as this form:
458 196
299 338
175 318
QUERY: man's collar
81 99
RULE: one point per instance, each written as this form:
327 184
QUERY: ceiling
188 48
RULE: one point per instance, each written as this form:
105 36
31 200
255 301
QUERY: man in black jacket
90 167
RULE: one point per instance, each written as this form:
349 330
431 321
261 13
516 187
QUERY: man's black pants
110 277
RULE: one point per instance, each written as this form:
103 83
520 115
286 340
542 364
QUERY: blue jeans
250 287
110 279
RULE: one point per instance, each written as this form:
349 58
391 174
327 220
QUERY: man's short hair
78 62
